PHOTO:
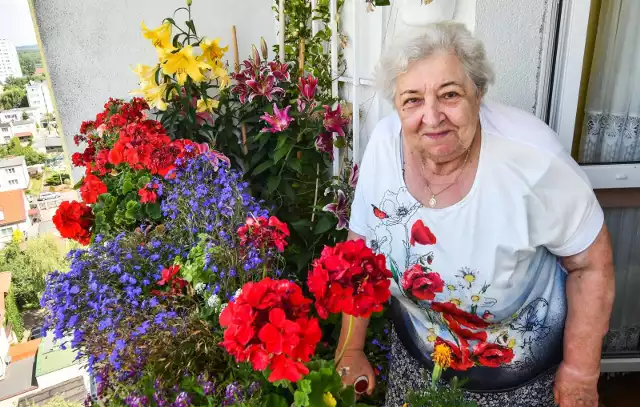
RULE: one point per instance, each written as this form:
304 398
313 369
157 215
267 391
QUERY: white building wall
6 133
9 62
39 97
16 177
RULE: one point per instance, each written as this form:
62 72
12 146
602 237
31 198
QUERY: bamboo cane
236 66
301 57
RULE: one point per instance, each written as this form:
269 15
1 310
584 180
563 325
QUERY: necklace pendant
432 201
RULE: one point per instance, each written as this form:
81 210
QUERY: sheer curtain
611 134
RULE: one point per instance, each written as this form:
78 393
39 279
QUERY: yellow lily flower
182 63
207 106
160 37
146 74
211 50
218 71
154 95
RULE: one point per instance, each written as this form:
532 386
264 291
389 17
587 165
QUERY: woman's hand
574 388
354 364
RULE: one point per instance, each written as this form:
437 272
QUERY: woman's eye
411 101
450 95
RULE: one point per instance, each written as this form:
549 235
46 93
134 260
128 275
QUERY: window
11 170
13 182
1 214
6 232
4 129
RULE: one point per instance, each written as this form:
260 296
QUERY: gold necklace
433 202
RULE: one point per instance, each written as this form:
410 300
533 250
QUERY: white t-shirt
485 274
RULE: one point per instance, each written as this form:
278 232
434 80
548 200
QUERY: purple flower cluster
205 195
232 394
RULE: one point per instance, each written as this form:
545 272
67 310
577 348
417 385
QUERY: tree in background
13 148
13 97
28 63
25 116
29 266
13 314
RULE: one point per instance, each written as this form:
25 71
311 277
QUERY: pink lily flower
333 120
307 87
324 143
279 121
340 209
280 71
353 178
264 86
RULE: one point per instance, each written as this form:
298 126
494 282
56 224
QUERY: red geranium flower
74 220
423 286
168 274
421 234
452 312
460 356
264 233
92 188
268 325
492 354
349 278
148 193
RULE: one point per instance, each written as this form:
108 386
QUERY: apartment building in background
18 114
9 62
13 174
6 133
39 96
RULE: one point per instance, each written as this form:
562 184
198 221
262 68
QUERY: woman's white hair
445 36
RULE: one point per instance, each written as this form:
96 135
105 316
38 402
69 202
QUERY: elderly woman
495 240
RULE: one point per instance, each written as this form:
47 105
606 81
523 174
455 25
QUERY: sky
15 22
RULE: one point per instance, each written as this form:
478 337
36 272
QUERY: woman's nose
431 114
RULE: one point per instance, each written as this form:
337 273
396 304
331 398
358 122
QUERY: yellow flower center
455 301
469 278
442 356
475 298
451 287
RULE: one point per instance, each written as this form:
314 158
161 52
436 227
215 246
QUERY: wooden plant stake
236 65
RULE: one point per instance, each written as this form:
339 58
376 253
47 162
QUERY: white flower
222 307
237 294
200 287
213 301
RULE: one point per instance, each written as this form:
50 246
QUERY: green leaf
282 139
79 183
262 167
272 183
295 165
348 395
143 181
274 400
300 399
324 224
281 152
153 210
127 186
305 385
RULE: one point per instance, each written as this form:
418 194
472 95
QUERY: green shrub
13 315
57 179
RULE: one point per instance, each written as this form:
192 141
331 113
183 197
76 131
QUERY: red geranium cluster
469 327
268 325
263 233
349 278
74 221
169 279
91 188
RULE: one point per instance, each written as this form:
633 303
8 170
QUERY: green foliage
28 61
439 396
13 148
13 97
57 178
13 315
30 265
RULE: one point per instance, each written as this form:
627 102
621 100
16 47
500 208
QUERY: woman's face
438 106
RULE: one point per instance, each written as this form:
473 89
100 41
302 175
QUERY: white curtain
611 134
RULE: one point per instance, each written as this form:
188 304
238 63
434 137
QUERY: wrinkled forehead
433 73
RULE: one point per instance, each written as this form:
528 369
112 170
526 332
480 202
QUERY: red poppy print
492 354
421 285
452 312
421 234
379 213
460 356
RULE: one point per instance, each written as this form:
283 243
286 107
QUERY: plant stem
315 198
346 341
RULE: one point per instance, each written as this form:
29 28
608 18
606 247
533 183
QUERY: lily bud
256 55
264 49
189 3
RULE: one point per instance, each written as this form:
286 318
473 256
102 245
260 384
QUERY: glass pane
624 334
611 121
